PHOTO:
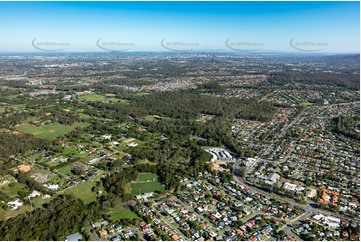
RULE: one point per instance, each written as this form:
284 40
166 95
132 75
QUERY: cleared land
12 188
83 191
39 201
49 131
305 104
153 118
91 97
99 98
145 187
121 213
13 213
143 177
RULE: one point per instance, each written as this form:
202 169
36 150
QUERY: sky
325 27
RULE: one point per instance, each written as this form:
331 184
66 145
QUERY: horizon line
181 52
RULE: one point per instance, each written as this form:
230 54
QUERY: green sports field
145 187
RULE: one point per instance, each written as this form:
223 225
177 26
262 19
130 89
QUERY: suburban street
306 207
168 223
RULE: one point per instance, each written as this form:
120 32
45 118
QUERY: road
289 226
204 219
306 207
93 236
299 117
168 223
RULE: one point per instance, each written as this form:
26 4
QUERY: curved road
306 207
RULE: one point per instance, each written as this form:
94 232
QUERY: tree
242 172
281 233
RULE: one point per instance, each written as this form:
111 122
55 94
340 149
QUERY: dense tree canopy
64 215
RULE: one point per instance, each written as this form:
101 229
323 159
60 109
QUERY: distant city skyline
245 27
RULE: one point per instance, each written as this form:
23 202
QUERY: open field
34 157
99 98
70 152
220 166
39 201
194 137
143 177
121 213
145 187
49 131
305 104
152 118
83 191
91 97
66 169
13 213
141 93
124 143
13 189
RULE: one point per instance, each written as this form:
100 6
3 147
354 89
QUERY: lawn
141 93
12 191
51 162
150 118
92 97
66 169
39 201
49 131
145 187
99 98
194 137
121 213
305 104
34 157
13 213
119 100
124 143
83 191
70 152
153 118
147 176
84 116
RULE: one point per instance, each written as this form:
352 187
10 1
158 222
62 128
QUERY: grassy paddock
121 213
49 131
83 191
143 177
91 97
305 104
100 98
145 187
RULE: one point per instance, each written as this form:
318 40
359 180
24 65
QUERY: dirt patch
220 166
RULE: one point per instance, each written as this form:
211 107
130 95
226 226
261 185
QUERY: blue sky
141 26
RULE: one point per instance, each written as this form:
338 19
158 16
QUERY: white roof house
273 177
14 205
318 217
